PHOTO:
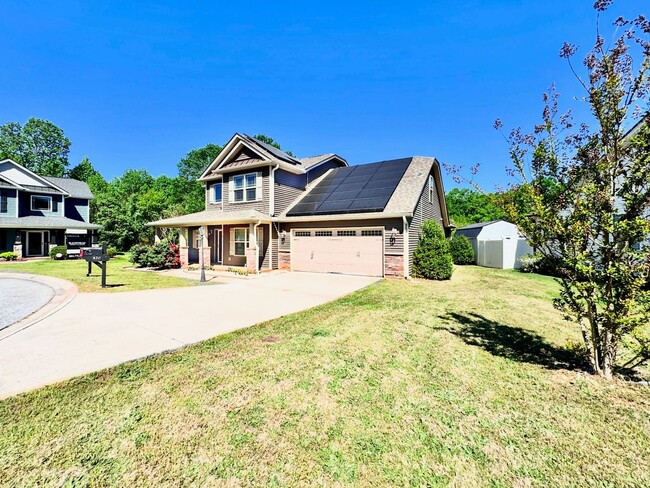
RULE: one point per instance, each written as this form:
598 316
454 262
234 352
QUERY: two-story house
38 213
265 209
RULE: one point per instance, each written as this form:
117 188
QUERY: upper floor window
3 202
41 203
216 195
430 189
245 188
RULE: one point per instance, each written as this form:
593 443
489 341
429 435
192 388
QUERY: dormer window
41 203
245 188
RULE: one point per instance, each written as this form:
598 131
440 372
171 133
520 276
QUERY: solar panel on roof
354 189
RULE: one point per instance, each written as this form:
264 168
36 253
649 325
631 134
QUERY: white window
41 203
430 189
216 193
303 233
372 232
323 233
246 188
238 241
346 233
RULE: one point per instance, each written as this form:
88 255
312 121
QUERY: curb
64 293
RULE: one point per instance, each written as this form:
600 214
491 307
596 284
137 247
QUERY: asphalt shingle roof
37 222
76 188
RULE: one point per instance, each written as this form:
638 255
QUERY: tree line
125 204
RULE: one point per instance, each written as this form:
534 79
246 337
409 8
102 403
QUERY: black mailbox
98 256
93 254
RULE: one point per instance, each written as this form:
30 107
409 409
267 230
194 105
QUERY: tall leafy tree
592 219
84 171
271 142
195 162
466 206
39 145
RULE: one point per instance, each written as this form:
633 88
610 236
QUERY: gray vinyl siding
288 187
229 260
12 202
390 248
261 205
77 209
423 211
24 205
319 171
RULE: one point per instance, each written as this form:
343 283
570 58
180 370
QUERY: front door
36 243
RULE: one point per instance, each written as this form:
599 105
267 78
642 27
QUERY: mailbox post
97 256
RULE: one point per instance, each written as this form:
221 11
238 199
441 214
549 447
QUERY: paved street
98 330
20 298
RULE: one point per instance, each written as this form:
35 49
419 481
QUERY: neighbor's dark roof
353 189
474 230
38 222
76 188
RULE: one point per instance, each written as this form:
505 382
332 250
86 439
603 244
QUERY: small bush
432 259
59 250
461 250
536 263
9 256
162 255
111 251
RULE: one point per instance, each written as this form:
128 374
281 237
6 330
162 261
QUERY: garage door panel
338 254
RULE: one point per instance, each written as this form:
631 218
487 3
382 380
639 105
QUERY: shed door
349 251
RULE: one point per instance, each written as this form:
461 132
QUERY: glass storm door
35 243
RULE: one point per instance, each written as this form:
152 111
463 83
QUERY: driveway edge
64 293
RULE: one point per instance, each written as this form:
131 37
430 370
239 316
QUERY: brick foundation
394 266
185 256
284 261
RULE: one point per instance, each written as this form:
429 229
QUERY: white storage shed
497 244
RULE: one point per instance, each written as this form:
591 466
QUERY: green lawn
118 273
463 383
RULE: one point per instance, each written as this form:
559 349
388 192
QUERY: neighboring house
497 244
268 210
38 213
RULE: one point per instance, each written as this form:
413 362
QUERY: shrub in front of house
59 252
111 251
163 255
9 256
461 250
432 259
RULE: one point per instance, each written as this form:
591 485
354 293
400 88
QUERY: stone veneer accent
18 249
184 251
206 257
284 261
394 266
250 260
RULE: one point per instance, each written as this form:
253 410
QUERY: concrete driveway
96 330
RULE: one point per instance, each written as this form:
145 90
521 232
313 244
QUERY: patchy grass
118 274
462 383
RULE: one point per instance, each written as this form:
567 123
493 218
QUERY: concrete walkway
96 330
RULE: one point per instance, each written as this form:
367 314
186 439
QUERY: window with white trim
430 188
216 193
41 203
372 232
323 233
346 233
246 188
302 233
238 241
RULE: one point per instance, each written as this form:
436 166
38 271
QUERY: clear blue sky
137 84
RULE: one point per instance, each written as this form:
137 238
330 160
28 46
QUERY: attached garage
349 251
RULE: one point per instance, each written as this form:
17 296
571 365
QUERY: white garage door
349 251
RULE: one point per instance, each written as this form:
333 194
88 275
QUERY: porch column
157 235
182 248
18 246
252 253
205 257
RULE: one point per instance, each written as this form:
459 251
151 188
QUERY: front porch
245 246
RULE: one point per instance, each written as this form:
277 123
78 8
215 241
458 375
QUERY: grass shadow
512 343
